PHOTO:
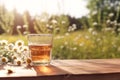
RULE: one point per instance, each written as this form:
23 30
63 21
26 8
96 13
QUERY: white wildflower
10 46
108 21
70 29
66 34
66 43
111 4
18 62
87 37
75 48
115 22
94 33
94 12
4 42
43 20
19 43
90 30
54 21
57 29
15 49
81 44
25 48
95 24
61 46
14 57
74 26
111 14
28 61
25 26
118 29
63 22
19 27
4 59
25 32
47 25
51 27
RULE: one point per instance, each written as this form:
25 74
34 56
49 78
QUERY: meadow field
83 44
96 35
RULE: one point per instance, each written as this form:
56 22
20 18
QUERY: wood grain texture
93 69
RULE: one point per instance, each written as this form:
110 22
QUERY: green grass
12 39
81 45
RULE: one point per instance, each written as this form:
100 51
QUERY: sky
75 8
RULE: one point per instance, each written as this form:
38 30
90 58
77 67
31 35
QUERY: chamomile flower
61 46
94 12
19 27
10 46
81 44
95 24
67 34
18 62
14 57
63 22
66 43
9 69
4 59
90 30
94 33
19 43
111 14
28 61
74 49
4 42
15 49
25 26
54 21
24 48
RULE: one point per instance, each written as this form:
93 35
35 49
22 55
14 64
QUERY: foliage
104 13
87 44
6 20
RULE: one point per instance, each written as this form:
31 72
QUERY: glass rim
46 34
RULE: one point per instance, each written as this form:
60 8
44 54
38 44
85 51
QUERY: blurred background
82 29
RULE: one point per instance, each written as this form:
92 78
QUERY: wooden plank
18 71
49 70
93 66
93 69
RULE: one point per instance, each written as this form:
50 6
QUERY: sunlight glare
73 7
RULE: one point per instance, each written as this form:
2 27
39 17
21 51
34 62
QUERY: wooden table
94 69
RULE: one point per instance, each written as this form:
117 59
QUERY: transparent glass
40 46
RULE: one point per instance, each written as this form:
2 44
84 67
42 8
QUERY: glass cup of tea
40 46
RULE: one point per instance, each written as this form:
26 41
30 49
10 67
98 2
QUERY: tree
28 23
104 13
6 20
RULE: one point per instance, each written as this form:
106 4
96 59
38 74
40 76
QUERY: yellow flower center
19 44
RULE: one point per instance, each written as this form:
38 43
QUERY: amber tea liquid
40 54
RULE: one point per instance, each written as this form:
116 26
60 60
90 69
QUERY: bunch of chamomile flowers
14 53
